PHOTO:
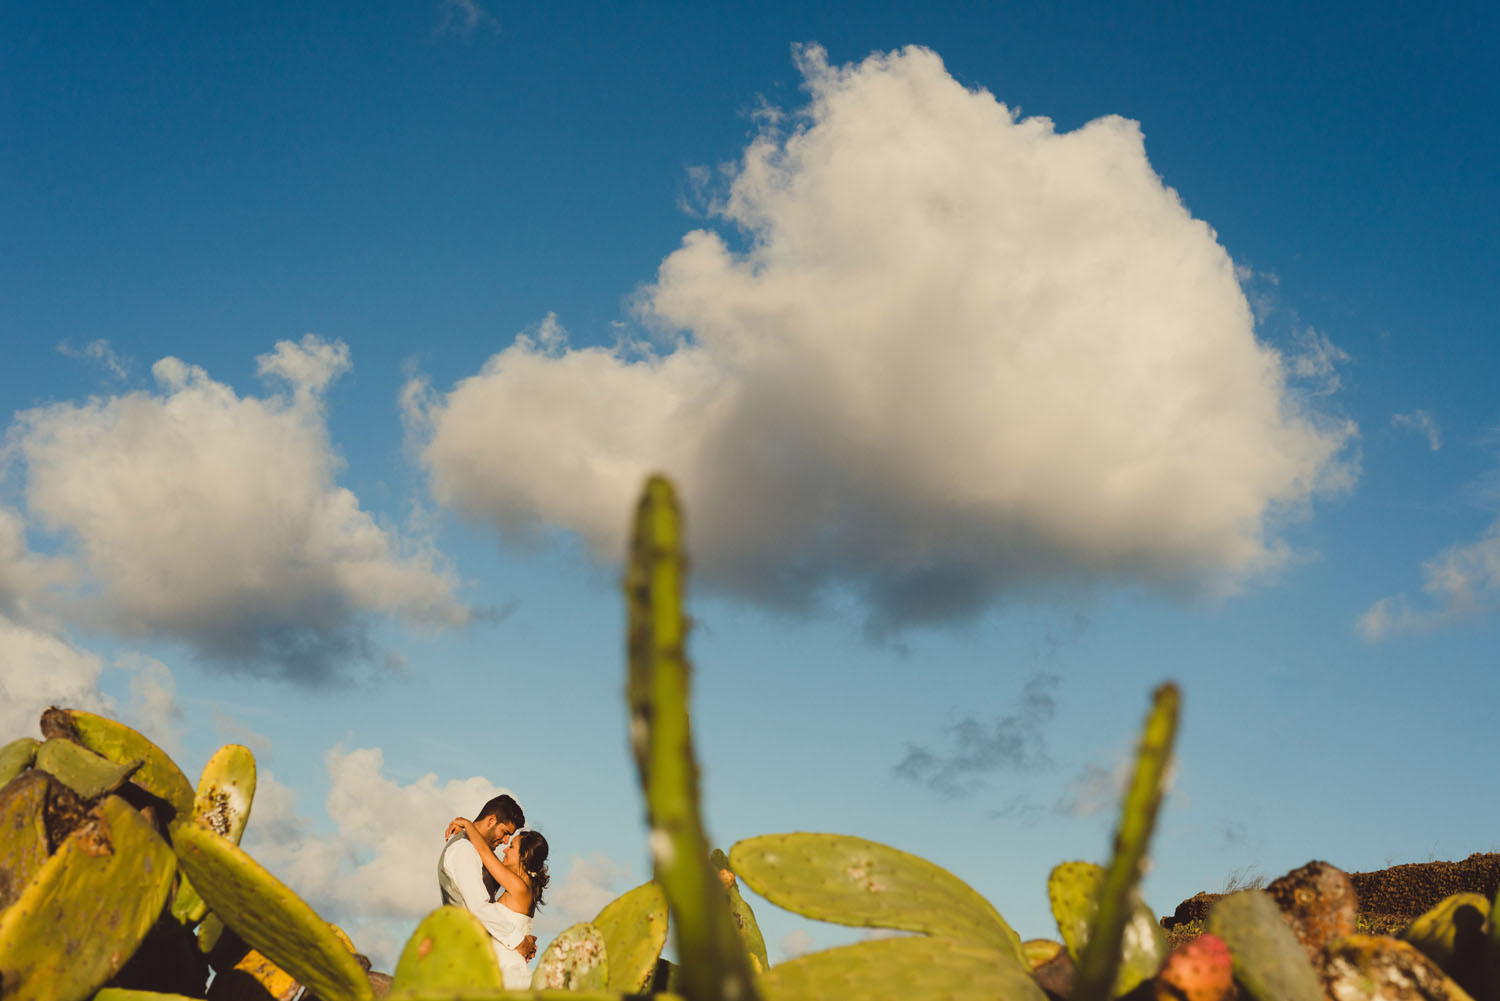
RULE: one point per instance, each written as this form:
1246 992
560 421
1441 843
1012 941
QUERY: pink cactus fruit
1200 970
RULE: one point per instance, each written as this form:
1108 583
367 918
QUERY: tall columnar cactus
714 962
852 881
901 969
267 915
634 927
87 909
1098 965
449 953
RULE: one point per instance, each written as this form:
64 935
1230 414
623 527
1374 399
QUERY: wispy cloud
977 749
463 18
99 352
1032 369
1423 423
1462 582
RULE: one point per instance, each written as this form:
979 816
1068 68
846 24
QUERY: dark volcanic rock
1318 902
1408 891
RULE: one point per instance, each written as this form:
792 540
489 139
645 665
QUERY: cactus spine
714 962
1101 959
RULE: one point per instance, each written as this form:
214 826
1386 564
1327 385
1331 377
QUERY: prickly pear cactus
23 834
1269 962
222 804
267 915
577 960
87 909
449 952
1199 970
158 774
714 962
634 927
901 969
1101 960
1376 967
1040 951
88 774
16 757
851 881
1073 889
744 917
120 994
1452 935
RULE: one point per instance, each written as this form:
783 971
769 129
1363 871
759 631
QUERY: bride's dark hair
534 860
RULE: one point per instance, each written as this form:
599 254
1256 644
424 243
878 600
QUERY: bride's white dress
511 927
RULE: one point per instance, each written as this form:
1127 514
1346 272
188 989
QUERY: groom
461 874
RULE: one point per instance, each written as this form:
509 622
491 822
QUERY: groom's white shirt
461 860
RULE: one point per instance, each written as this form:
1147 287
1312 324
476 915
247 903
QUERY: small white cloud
464 17
214 518
99 352
153 708
794 944
1462 582
1423 423
1030 367
1316 359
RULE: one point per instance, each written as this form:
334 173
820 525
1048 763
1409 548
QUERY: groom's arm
467 872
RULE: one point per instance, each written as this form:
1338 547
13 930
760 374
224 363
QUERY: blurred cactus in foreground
120 881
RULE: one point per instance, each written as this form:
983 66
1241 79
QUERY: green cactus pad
1073 890
1452 936
267 915
1269 962
714 962
120 994
88 908
449 952
901 969
577 960
851 881
23 834
16 757
88 774
744 917
634 926
158 774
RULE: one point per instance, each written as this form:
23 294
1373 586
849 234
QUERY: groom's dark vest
445 881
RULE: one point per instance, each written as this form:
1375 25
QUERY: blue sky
1011 362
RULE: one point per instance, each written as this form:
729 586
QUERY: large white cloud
214 518
1461 582
960 353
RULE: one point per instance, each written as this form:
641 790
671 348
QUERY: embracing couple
504 891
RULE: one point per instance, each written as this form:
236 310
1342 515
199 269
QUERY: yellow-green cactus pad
901 969
268 915
1269 962
1452 936
1073 889
634 926
222 803
88 774
158 774
23 835
88 908
449 952
851 881
120 994
16 757
739 908
1377 968
575 961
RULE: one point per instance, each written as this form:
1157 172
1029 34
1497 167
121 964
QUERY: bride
522 875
